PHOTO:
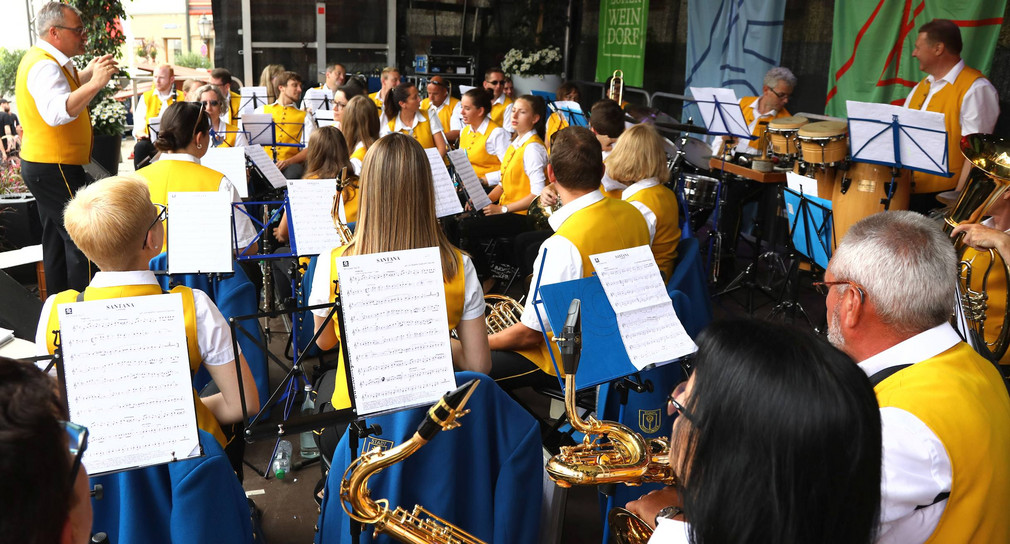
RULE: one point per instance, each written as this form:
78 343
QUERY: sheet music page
730 121
802 184
262 161
312 226
199 233
324 118
921 142
154 126
464 88
260 128
651 331
128 380
471 184
247 102
230 161
317 100
394 317
446 201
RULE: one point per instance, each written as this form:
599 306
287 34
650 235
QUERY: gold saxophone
418 526
345 184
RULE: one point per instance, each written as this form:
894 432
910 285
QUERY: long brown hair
360 122
327 153
397 209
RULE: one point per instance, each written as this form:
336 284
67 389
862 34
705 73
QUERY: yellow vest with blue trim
498 111
514 181
455 297
204 417
170 176
948 102
475 145
662 202
421 131
68 143
444 114
607 225
152 105
290 124
960 396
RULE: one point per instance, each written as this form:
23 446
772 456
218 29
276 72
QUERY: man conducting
52 97
152 103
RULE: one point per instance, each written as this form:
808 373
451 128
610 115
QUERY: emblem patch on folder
648 420
371 443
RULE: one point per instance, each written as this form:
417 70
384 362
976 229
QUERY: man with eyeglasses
944 409
46 494
53 96
501 105
221 78
776 91
441 104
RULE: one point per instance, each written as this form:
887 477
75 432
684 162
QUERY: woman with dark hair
183 140
360 126
403 111
779 441
484 140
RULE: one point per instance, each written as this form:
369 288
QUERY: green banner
871 53
622 40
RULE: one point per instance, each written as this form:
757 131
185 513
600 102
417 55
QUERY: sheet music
317 100
803 184
478 197
128 380
464 88
230 161
199 233
394 318
251 98
311 200
324 118
922 139
259 127
730 120
154 127
649 327
446 201
262 161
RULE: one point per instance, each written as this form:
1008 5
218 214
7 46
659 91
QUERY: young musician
606 119
183 141
639 161
484 140
360 126
115 224
222 132
501 105
396 170
403 109
344 95
567 92
293 125
389 78
441 104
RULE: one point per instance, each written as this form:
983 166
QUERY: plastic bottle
307 442
282 461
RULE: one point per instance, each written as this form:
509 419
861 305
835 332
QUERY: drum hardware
846 180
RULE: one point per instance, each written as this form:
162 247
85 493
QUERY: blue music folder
811 226
604 358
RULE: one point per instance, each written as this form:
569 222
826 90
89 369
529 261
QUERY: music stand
570 111
251 98
811 235
317 99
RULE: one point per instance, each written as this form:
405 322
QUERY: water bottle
282 461
307 442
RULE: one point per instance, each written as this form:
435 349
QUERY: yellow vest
359 153
228 134
514 181
69 143
948 102
555 123
421 132
445 114
290 124
961 398
475 145
378 103
662 202
234 103
749 114
152 105
498 111
996 301
204 417
455 297
607 225
169 176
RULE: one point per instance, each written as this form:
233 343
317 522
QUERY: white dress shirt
979 107
140 112
399 125
671 531
916 467
49 86
355 162
307 126
212 330
506 118
534 163
649 215
454 124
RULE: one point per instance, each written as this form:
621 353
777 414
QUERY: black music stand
811 235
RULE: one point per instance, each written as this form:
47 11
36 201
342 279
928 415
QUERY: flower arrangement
108 117
11 182
527 63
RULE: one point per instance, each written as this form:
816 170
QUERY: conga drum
826 177
824 142
866 194
782 132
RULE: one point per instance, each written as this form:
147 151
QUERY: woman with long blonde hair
268 79
360 125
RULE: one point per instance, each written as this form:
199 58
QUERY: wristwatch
504 209
669 512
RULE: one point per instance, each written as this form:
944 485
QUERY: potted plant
108 119
534 69
19 214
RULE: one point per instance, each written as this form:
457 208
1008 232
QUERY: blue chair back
690 280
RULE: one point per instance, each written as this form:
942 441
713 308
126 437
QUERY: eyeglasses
339 105
674 406
211 103
196 125
823 287
162 216
782 96
78 442
496 82
79 30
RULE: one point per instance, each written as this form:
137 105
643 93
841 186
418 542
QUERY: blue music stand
810 225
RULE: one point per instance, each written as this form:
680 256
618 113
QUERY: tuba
988 180
417 526
502 312
540 213
346 183
616 90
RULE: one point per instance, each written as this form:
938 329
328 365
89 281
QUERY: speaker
20 310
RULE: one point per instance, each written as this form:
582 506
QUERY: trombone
616 90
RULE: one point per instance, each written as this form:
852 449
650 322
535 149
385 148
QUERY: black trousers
143 152
474 230
53 185
512 371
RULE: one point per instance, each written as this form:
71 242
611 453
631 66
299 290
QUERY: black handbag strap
882 375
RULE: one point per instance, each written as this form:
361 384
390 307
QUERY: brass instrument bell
616 90
988 179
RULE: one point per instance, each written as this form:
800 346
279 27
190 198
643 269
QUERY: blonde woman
639 161
360 125
395 171
268 79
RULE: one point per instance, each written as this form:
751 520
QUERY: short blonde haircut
638 154
108 220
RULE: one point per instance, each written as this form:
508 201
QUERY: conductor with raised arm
53 97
